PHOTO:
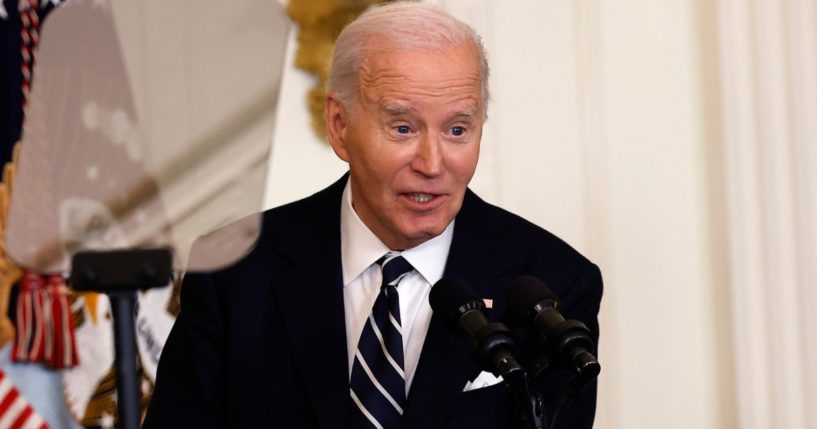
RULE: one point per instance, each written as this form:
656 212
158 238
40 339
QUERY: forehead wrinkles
388 82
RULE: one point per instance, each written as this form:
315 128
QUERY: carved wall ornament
319 23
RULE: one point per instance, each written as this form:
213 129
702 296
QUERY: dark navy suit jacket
262 343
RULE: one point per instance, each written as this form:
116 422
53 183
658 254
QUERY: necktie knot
394 268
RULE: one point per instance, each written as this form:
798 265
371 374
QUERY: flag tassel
45 326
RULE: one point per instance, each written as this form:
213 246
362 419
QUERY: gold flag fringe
10 273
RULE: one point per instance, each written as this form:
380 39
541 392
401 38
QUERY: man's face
411 141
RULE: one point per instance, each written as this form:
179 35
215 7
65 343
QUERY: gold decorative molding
319 23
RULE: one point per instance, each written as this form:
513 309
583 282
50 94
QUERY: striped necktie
378 385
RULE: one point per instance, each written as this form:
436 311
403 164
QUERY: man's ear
336 126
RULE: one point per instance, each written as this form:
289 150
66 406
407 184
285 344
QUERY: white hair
401 25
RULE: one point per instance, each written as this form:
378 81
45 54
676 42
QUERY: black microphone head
491 343
452 298
523 293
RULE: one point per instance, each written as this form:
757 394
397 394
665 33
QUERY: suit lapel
445 364
310 295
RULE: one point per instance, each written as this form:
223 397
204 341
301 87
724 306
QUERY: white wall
300 164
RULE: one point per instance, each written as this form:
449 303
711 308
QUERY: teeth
421 198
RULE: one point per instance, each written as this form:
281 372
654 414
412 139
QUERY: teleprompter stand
120 274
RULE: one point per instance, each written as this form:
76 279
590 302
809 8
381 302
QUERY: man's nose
429 157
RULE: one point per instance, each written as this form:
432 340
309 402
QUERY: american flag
15 411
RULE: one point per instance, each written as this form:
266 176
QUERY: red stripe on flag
13 403
22 418
8 400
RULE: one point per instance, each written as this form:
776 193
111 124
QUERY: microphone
491 343
534 305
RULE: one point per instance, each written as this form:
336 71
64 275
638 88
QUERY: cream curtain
768 69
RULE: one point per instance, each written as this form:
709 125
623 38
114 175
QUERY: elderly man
326 323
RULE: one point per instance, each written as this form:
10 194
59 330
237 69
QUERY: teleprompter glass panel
149 124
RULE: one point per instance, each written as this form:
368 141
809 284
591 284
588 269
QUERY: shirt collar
360 247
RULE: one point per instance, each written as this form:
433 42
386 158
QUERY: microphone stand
120 274
531 403
529 406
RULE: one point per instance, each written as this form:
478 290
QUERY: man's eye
458 131
403 129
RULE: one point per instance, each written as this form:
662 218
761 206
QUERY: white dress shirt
360 249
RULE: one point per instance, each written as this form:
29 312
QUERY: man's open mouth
420 198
